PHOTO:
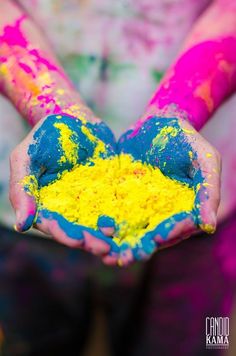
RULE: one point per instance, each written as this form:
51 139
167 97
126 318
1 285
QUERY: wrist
168 112
60 102
199 82
188 107
173 110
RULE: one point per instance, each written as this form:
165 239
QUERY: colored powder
162 139
100 145
69 147
137 196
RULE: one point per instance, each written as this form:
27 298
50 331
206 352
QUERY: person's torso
115 52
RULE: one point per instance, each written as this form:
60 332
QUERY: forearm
204 74
30 75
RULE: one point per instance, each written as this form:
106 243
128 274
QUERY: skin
183 155
190 92
225 144
45 158
56 95
37 90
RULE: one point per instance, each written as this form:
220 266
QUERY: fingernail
28 222
23 225
211 227
213 219
107 231
18 224
106 224
15 228
18 215
208 228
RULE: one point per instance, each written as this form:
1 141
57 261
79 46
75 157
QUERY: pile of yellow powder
136 195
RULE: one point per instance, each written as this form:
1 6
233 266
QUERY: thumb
23 202
208 194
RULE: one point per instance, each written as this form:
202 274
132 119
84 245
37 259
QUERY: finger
22 201
145 247
208 189
107 231
106 225
168 233
46 224
181 230
73 235
126 257
206 176
174 229
121 256
111 259
95 245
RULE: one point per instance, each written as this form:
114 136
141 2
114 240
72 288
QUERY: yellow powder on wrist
136 195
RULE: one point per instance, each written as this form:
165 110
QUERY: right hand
182 154
41 157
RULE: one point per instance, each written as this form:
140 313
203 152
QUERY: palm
163 144
176 149
61 142
57 145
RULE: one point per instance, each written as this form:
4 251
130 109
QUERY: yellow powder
100 145
162 138
31 184
136 195
69 147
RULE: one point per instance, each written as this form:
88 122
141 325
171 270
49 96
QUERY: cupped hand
181 153
57 143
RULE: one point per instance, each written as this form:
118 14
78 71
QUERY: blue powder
45 153
75 231
174 161
106 221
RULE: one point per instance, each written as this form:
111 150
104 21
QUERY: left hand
57 144
181 153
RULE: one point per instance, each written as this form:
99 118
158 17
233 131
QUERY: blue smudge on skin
45 153
166 226
106 221
145 247
147 243
173 160
28 223
75 231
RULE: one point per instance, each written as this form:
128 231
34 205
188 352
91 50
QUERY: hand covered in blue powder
58 143
181 153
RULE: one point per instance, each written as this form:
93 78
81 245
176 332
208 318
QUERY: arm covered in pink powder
204 73
30 75
36 84
202 76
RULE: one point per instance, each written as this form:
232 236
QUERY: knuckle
14 156
11 197
218 155
215 153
